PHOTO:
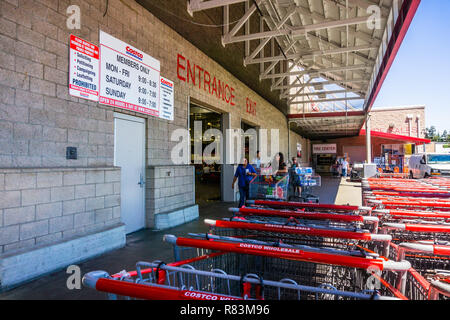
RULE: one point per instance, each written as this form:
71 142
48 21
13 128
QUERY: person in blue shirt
244 174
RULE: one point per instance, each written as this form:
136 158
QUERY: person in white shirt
345 167
257 161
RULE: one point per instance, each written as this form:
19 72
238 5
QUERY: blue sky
420 73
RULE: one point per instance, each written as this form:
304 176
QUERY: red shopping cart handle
424 248
152 292
441 250
419 227
306 205
303 230
290 254
398 214
307 215
402 194
417 203
173 264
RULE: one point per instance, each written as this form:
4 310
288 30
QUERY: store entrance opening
250 139
207 174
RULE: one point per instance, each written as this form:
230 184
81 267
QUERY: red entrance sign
190 72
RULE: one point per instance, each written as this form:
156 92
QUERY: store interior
208 172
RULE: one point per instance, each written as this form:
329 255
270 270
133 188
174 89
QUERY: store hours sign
129 78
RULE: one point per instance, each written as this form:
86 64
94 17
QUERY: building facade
395 133
56 211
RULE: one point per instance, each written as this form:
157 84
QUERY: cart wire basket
344 270
387 215
317 207
416 231
303 232
440 285
326 218
424 256
269 187
186 281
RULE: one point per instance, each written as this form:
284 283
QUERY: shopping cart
269 187
432 203
158 281
307 184
344 270
405 204
300 232
424 256
417 230
332 219
393 214
392 175
405 187
395 194
440 285
318 207
305 178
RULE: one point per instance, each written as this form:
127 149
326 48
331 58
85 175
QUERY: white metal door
129 154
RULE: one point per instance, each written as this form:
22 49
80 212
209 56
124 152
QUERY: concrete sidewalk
147 245
349 193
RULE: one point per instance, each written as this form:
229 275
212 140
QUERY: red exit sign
251 106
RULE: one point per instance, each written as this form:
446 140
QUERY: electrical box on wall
71 153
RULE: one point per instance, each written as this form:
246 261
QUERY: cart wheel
411 175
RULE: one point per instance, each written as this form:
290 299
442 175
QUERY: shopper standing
345 166
294 178
257 161
244 174
279 165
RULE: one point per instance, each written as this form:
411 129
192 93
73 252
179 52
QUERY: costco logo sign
164 82
134 53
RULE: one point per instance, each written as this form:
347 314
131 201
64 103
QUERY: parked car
429 165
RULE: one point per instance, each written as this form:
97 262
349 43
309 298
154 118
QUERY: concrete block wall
38 118
45 206
305 158
24 266
175 218
168 188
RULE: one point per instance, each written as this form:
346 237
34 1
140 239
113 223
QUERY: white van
429 165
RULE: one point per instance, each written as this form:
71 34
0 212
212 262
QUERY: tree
430 133
435 136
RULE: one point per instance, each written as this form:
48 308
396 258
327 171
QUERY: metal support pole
368 141
289 139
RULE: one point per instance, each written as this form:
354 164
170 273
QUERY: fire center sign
129 78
